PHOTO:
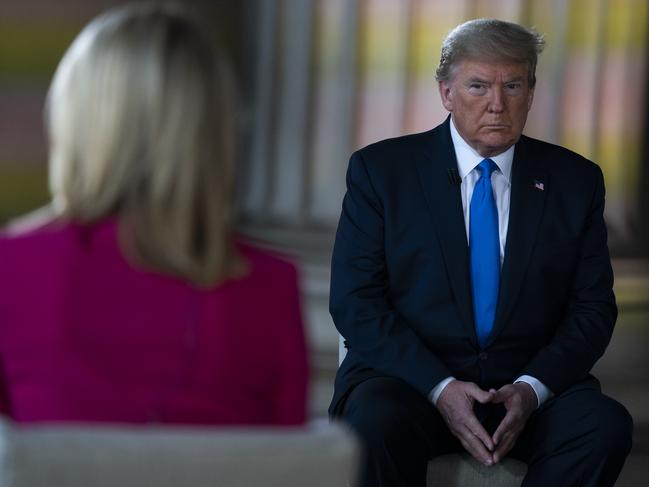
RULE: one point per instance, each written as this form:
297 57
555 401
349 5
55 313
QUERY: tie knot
486 167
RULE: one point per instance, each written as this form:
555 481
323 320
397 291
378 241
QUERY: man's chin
491 147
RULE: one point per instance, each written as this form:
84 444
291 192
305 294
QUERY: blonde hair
140 117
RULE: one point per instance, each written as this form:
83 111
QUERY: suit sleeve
360 301
585 331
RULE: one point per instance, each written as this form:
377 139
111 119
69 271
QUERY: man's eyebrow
477 79
517 78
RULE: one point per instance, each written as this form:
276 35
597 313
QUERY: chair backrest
321 454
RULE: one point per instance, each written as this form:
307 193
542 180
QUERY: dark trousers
580 437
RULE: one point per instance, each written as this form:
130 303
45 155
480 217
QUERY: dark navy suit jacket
400 285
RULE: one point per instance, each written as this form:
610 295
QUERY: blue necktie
484 246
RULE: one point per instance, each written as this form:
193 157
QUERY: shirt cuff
433 396
540 389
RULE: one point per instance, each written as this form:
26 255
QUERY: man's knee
375 421
376 406
388 411
614 427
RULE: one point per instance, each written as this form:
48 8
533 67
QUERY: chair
462 470
77 455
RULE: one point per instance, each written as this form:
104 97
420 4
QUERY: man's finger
480 395
478 431
505 425
475 446
503 449
502 394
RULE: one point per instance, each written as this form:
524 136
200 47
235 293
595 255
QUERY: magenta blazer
85 336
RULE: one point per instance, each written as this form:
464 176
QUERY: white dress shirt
467 162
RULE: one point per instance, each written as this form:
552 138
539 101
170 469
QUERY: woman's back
86 336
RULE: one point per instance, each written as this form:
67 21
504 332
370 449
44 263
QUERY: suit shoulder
558 158
401 146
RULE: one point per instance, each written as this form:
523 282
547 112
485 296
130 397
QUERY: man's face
488 103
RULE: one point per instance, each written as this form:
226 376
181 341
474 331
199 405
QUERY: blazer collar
441 186
440 183
530 186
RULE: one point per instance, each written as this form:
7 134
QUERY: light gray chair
76 455
461 470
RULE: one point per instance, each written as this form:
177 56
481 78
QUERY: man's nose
497 100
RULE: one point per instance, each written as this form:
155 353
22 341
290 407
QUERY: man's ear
530 99
446 95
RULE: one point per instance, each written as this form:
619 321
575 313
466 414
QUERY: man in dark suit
472 283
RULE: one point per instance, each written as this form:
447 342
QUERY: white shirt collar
468 158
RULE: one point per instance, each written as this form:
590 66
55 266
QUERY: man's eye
477 88
513 86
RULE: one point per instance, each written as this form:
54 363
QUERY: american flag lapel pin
539 185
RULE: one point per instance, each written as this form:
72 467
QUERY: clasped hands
456 401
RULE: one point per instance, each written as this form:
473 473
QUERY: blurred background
320 78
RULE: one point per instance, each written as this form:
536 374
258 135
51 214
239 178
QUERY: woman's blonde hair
140 117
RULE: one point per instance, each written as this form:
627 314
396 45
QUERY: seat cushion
462 470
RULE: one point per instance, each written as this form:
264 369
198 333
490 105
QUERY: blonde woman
131 300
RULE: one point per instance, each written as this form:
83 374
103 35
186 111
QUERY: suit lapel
444 201
528 193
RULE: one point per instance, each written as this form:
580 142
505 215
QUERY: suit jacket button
482 356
